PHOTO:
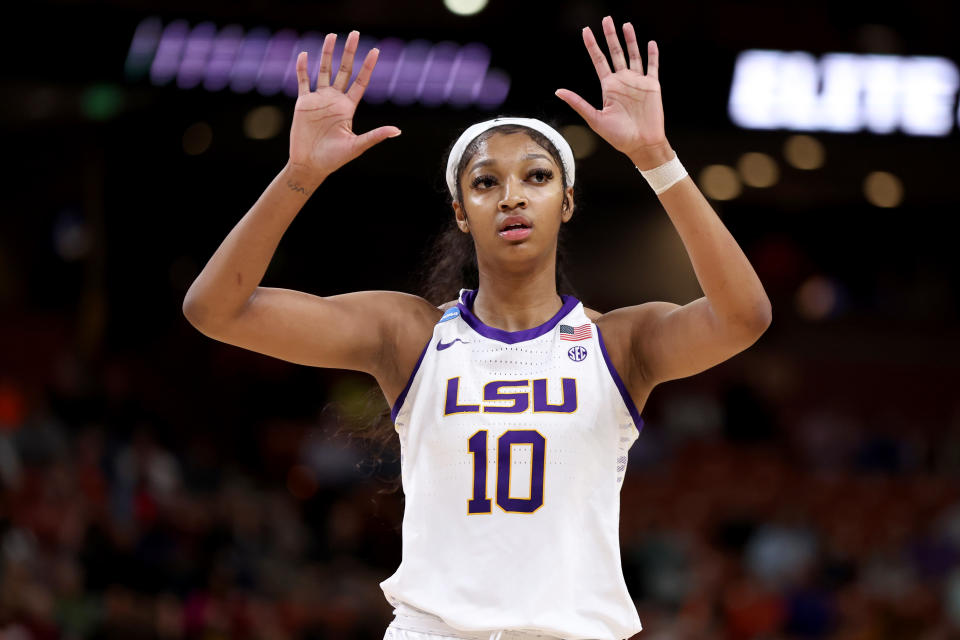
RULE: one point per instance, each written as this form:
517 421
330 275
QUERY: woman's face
512 198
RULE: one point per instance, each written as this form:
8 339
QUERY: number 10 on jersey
480 503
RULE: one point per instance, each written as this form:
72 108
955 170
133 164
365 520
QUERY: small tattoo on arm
294 186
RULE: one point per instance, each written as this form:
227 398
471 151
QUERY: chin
525 253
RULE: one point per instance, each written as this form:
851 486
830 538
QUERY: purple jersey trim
511 337
631 407
403 394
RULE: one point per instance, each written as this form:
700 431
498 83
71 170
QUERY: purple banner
419 71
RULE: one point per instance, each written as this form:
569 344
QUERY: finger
599 60
653 60
578 104
326 58
632 47
355 92
303 80
613 44
379 134
346 61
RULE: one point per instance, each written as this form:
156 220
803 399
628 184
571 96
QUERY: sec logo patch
577 353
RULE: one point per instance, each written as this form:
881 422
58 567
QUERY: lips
515 227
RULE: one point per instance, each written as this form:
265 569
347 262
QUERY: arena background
158 484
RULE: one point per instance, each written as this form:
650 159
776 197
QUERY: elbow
193 311
206 317
751 322
761 317
189 311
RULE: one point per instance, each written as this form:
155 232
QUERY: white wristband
665 176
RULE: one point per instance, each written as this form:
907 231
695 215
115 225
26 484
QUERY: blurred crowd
739 520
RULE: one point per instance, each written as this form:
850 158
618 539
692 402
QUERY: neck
515 300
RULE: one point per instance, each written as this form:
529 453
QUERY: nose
513 196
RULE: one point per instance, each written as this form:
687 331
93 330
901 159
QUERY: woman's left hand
632 116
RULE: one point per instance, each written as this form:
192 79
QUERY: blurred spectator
736 522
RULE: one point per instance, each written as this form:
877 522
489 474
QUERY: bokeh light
101 102
883 189
720 182
263 60
816 299
301 482
804 152
758 170
72 238
263 122
146 37
465 7
197 138
493 89
582 140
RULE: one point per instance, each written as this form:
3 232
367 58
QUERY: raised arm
661 340
351 331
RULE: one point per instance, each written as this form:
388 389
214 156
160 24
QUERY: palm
321 136
322 125
631 116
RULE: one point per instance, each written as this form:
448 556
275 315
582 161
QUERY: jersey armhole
624 393
398 404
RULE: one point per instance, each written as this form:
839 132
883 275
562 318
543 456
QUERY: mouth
515 228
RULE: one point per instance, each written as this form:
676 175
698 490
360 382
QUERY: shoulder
624 316
620 328
617 318
627 323
406 309
413 320
417 315
407 321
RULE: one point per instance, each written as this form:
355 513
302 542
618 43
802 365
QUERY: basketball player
515 406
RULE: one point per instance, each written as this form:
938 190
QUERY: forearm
731 285
235 270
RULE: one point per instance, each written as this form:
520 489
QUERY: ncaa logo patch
450 314
577 353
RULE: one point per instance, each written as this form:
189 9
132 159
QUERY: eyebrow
529 156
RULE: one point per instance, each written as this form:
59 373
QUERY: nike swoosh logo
441 346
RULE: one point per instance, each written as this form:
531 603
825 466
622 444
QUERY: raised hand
321 137
631 118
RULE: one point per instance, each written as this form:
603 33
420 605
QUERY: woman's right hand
321 137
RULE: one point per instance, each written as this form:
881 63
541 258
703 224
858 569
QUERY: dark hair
450 264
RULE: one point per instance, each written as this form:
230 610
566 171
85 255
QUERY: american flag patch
581 332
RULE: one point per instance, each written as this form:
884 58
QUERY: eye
484 180
541 175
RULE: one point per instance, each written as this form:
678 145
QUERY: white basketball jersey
513 450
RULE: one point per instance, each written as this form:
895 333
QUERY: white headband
474 130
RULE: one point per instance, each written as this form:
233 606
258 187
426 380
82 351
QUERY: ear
461 217
566 208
